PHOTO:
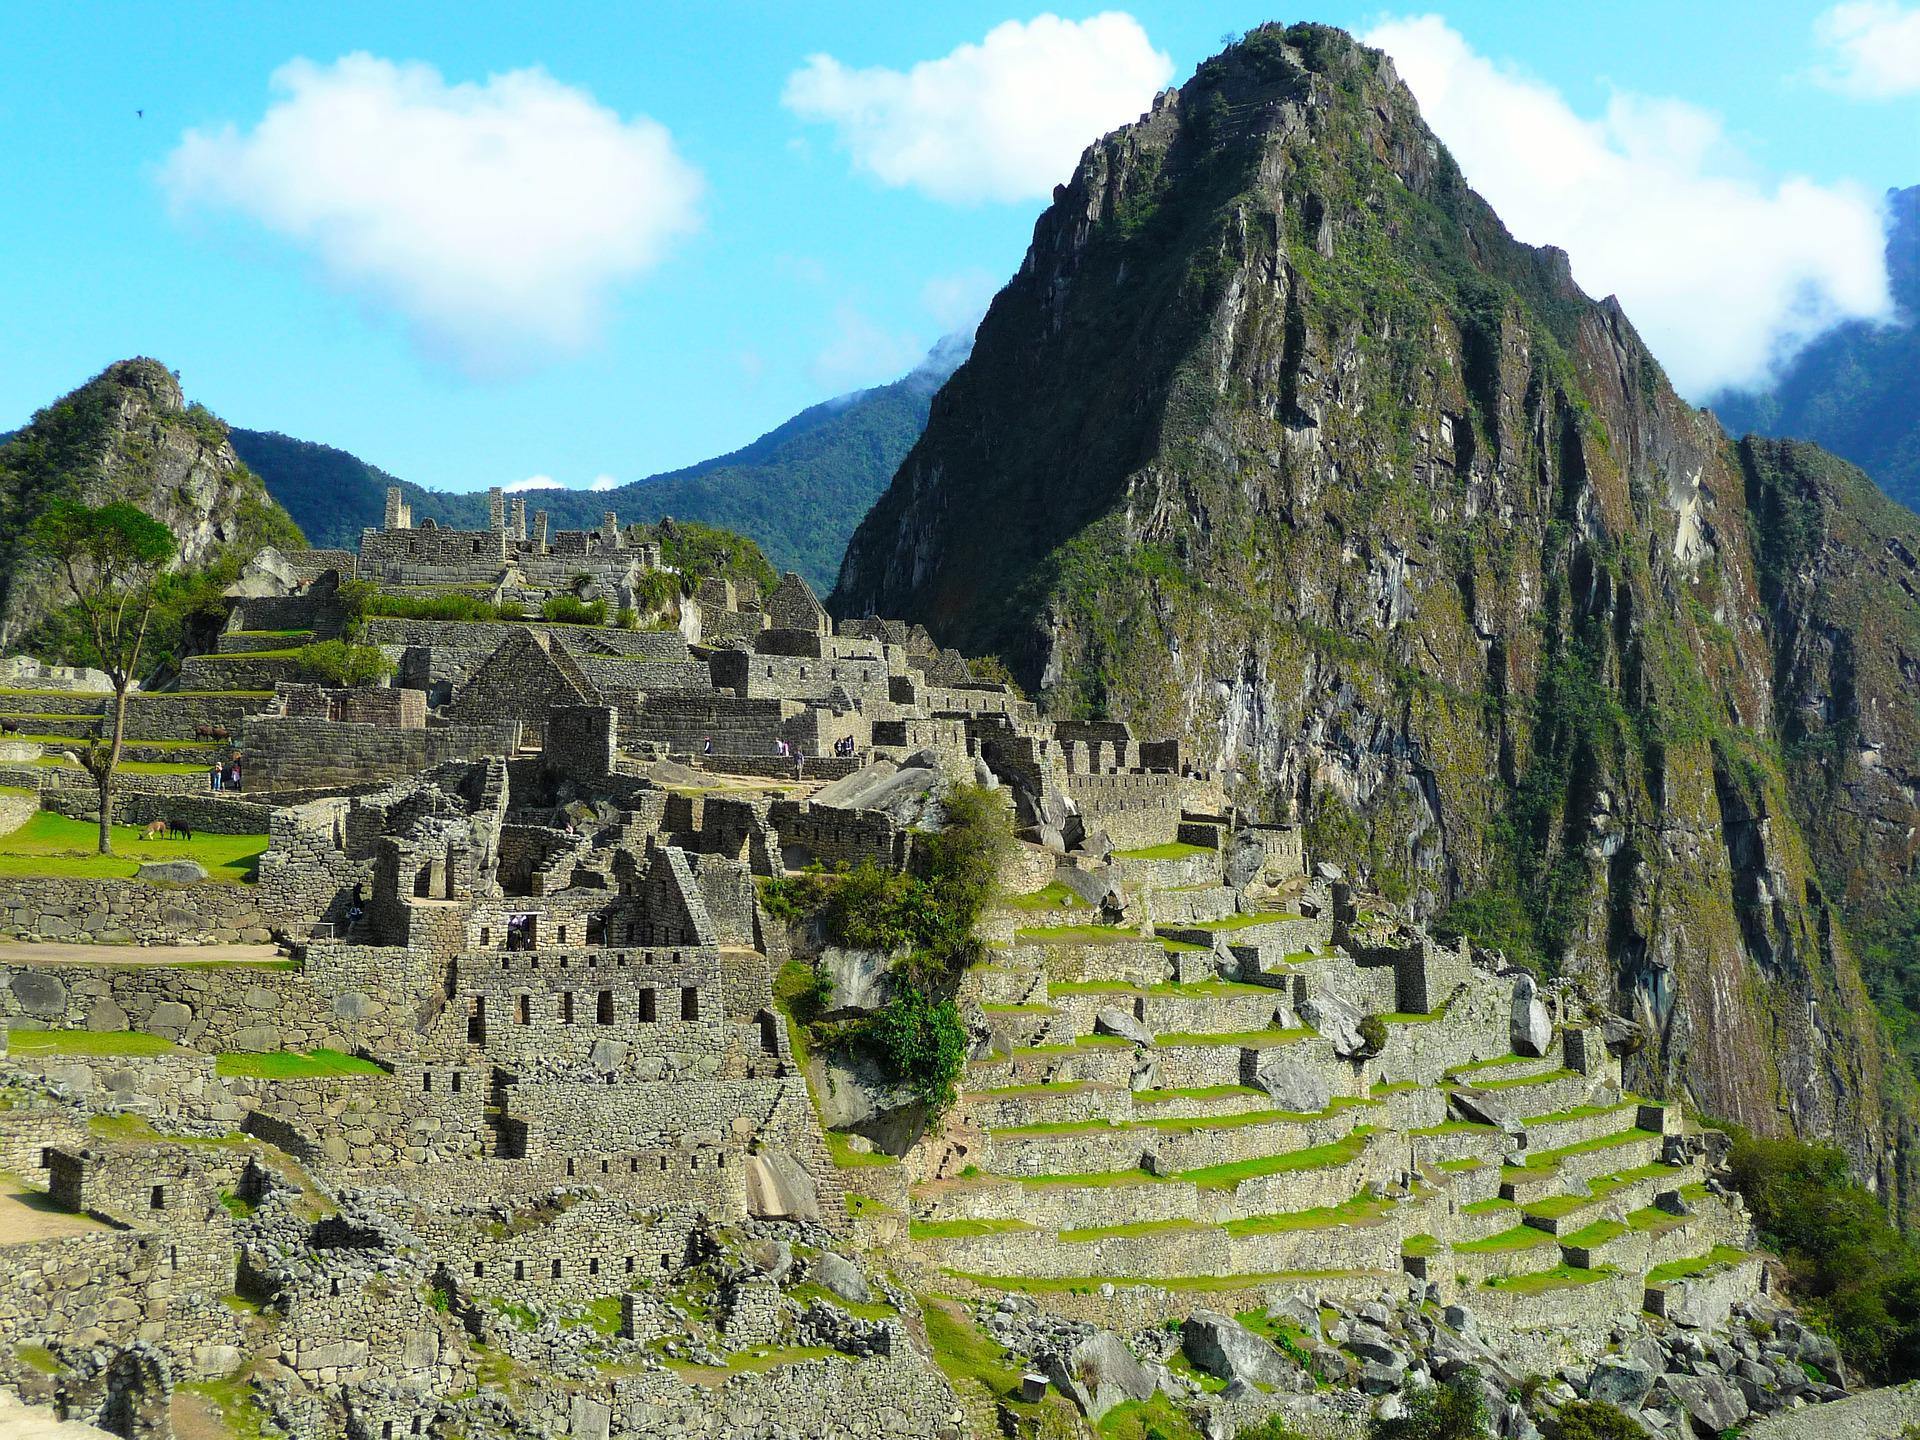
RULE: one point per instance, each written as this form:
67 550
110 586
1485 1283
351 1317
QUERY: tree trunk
103 776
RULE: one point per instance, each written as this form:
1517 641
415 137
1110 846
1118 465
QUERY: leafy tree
1455 1410
921 1039
107 556
338 662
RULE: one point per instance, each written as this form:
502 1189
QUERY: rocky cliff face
127 434
1290 448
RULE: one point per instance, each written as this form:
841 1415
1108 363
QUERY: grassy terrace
1179 1124
125 767
90 1042
51 844
1244 1039
1087 1284
1520 1237
1520 1082
292 1065
1129 1231
1698 1265
1360 1210
1172 850
1239 922
1053 896
1191 989
1318 1157
962 1229
1555 1206
1498 1062
1560 1277
1548 1160
1196 1092
1079 934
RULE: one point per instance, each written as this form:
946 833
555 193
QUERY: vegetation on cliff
1299 454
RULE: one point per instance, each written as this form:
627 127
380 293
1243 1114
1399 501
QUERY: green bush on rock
337 662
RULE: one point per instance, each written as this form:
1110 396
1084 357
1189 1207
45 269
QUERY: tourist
216 775
706 745
233 774
356 907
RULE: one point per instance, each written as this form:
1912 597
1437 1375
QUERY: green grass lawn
292 1065
1521 1082
90 1042
1127 1231
1172 850
1360 1210
1520 1237
128 767
962 1229
51 844
1195 1092
1599 1232
847 1158
1547 1160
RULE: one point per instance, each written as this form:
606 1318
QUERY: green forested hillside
799 490
1856 390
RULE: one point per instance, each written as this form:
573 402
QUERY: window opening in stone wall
426 1082
556 1269
689 1004
646 1004
519 1269
477 1022
479 1269
566 1007
593 1266
454 1083
486 936
560 937
603 1013
157 1198
526 1008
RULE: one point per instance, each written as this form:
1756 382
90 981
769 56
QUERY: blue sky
758 242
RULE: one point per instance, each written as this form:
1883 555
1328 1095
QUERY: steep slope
1856 390
798 490
127 434
1292 449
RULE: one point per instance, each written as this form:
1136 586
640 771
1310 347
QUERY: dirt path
21 1421
15 952
28 1214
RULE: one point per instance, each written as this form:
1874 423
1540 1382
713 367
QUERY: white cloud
1725 274
533 482
497 218
862 353
1874 47
1001 120
604 482
957 302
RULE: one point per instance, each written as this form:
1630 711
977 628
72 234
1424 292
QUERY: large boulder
861 979
1338 1021
907 793
1112 1020
1620 1381
1713 1402
267 575
856 1094
1291 1083
40 995
1100 1373
841 1276
1532 1026
1222 1346
779 1188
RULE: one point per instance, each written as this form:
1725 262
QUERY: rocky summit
1330 919
1300 457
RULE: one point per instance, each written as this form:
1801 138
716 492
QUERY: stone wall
199 808
294 754
125 912
613 1009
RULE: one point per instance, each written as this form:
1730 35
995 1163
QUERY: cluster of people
225 777
843 747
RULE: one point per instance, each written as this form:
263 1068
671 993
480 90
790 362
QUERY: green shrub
1594 1420
922 1042
1273 1427
1373 1033
567 610
1455 1410
338 662
628 618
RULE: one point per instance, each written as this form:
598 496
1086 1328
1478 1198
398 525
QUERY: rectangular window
456 1082
604 1011
556 1269
426 1081
560 936
157 1198
646 1004
566 1007
525 1007
689 1003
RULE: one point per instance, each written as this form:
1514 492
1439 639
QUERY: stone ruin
511 1134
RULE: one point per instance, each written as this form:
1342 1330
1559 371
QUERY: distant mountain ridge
799 490
1856 390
